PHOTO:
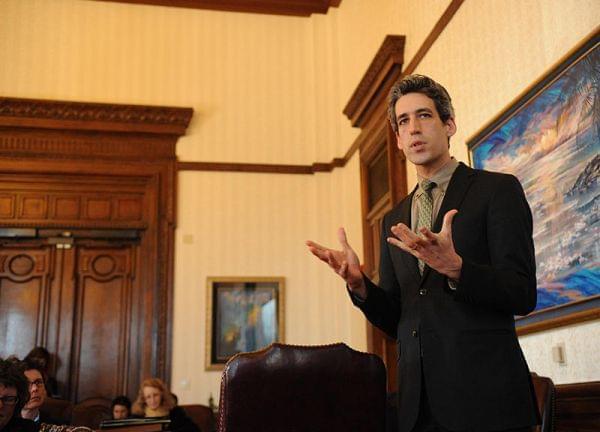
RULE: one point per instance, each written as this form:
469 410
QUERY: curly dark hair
12 374
424 85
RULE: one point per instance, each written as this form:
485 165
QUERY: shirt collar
441 178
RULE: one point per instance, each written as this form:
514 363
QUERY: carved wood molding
383 71
275 7
85 116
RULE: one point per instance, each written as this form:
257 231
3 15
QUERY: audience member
120 408
155 400
37 394
14 395
43 359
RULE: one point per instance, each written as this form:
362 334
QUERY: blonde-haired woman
155 400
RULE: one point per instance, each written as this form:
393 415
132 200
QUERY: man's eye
402 121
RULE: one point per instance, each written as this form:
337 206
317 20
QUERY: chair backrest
202 416
544 392
58 409
286 388
90 412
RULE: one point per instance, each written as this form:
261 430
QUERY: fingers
341 233
447 223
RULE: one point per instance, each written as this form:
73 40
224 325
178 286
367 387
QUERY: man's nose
414 125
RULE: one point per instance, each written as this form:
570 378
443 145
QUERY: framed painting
549 138
243 314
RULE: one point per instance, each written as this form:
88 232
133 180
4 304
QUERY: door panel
103 313
24 281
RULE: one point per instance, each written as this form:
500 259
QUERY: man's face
6 409
120 412
422 135
37 390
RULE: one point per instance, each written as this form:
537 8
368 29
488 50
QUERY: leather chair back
286 388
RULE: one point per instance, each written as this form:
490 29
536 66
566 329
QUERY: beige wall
268 89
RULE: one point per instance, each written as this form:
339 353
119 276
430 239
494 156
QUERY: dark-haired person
120 408
43 359
456 265
13 396
37 394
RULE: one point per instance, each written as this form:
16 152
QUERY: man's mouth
417 144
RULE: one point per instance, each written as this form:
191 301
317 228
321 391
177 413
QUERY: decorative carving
7 206
21 265
389 57
94 112
104 265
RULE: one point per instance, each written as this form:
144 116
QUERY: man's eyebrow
418 111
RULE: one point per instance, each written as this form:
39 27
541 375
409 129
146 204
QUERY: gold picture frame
242 314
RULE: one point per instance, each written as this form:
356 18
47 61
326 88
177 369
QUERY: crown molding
83 116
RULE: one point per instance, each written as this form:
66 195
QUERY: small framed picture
243 314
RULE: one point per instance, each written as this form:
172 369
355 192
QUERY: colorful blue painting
551 142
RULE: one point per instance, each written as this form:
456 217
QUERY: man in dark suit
457 263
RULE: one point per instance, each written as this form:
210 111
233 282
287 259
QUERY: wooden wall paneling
99 167
25 273
104 276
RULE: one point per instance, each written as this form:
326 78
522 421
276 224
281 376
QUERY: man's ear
450 127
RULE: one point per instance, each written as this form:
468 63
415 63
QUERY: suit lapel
455 193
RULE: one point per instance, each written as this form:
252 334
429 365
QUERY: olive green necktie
425 216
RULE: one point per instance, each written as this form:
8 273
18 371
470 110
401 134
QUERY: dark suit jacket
463 342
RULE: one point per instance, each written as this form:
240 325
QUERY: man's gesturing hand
344 262
436 250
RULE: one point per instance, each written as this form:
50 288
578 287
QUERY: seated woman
155 400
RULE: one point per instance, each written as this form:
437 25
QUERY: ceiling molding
273 7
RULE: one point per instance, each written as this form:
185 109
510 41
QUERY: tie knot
427 185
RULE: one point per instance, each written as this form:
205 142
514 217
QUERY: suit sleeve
382 305
508 282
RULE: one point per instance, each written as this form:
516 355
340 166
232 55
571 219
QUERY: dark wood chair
286 388
90 412
545 394
58 409
202 416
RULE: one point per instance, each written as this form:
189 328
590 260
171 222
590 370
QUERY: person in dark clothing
14 394
34 372
43 361
120 408
155 400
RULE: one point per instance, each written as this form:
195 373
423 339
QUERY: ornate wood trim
121 157
384 70
83 116
275 7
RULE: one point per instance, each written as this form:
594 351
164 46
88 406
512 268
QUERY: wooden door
78 300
